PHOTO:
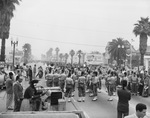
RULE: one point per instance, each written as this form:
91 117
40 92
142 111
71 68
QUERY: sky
86 25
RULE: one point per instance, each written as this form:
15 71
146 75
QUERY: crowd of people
86 79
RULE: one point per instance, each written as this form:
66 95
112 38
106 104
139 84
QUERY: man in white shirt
140 112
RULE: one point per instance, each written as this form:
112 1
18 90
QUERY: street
95 109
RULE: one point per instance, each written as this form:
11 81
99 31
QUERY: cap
34 81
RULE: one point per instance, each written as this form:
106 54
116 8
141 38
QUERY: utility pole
14 44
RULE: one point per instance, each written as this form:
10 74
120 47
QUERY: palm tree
142 28
49 53
61 57
79 53
72 53
6 13
117 49
66 57
57 51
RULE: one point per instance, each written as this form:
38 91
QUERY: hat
34 81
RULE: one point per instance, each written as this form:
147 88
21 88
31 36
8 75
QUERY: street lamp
25 59
14 44
120 47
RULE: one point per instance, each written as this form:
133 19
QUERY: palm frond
143 26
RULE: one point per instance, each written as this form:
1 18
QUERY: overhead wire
56 41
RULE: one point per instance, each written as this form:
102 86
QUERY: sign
94 59
2 64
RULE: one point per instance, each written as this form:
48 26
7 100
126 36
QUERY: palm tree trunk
143 47
142 60
71 60
79 61
3 50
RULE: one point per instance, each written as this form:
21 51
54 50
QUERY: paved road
107 109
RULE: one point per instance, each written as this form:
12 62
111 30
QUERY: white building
94 59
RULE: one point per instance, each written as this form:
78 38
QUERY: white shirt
134 116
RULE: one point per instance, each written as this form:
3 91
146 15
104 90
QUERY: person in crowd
27 71
140 111
81 87
123 100
74 78
68 87
18 93
49 79
141 84
62 80
9 91
30 73
111 82
106 80
34 70
99 81
18 73
29 102
88 79
56 77
134 81
130 73
115 83
40 73
46 71
146 86
95 79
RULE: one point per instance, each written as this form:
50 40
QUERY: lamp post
119 57
25 59
14 44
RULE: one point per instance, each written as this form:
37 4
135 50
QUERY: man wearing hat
31 100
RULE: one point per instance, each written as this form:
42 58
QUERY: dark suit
18 96
123 102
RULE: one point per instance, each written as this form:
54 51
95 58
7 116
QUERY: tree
117 49
57 51
27 52
72 53
79 53
6 14
61 57
66 57
49 53
142 29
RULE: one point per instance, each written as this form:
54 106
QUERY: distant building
94 59
9 55
18 56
